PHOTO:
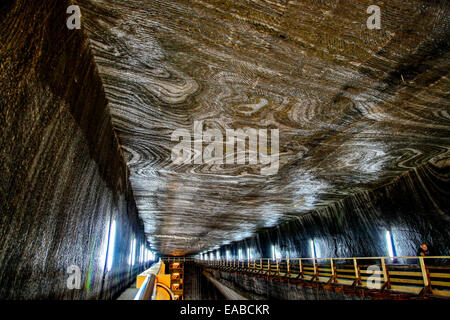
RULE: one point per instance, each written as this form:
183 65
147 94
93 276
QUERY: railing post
332 266
288 267
355 265
385 273
423 268
315 267
333 272
300 264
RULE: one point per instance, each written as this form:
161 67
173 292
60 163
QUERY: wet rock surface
414 209
62 176
356 108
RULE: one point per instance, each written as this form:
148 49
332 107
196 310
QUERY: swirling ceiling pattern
354 107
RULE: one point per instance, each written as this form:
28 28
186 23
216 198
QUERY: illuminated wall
63 180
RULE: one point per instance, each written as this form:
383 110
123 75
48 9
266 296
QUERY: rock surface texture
63 178
355 108
414 208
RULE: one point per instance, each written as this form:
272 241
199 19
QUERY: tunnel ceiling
354 107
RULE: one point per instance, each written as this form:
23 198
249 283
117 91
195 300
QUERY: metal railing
418 275
177 259
152 284
147 290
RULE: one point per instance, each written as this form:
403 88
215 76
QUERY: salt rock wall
414 208
62 176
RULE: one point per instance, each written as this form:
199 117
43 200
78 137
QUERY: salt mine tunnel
252 149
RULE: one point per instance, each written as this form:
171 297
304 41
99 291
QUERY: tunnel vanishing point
135 135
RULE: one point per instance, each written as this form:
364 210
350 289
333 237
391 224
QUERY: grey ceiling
355 107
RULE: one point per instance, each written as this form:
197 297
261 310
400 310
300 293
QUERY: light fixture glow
313 249
130 256
112 240
389 244
133 251
275 253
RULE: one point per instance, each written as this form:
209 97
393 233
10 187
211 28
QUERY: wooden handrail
356 274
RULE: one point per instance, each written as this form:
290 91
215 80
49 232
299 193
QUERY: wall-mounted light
275 253
390 244
130 256
313 249
111 243
133 251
